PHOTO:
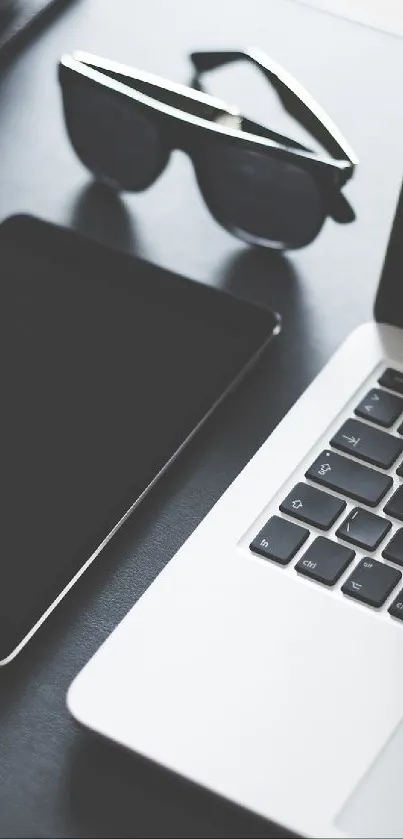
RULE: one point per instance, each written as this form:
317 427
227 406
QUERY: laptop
265 663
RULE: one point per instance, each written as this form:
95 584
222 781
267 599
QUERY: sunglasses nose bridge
191 138
178 135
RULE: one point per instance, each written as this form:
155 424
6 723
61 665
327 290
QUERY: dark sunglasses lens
114 139
260 198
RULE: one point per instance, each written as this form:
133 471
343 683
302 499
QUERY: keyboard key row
320 509
325 561
361 528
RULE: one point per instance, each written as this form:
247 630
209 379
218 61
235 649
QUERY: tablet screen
108 364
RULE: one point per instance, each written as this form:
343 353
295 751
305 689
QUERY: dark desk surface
55 780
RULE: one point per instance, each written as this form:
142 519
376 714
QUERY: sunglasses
263 187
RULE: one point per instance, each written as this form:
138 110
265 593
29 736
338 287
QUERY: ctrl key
279 540
371 582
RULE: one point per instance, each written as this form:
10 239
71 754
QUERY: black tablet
108 365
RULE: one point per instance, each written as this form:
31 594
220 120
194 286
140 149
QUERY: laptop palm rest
375 806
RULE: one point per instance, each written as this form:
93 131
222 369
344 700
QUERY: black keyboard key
279 540
394 548
313 506
393 379
371 582
394 507
368 443
380 407
399 471
396 609
349 478
325 561
364 529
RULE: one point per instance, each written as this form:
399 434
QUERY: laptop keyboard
362 465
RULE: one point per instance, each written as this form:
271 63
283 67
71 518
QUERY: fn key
279 540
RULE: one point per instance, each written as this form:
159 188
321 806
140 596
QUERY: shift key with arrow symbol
368 443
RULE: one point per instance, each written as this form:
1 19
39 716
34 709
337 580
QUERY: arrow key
313 506
380 407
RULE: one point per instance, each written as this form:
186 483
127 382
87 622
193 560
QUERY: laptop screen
389 299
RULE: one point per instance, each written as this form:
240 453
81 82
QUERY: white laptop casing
261 685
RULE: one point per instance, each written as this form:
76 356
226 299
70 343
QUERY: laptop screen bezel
389 298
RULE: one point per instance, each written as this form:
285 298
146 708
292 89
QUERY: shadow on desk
144 794
266 278
100 214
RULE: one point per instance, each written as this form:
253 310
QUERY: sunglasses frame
187 115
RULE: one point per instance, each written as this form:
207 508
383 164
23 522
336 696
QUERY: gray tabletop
55 779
